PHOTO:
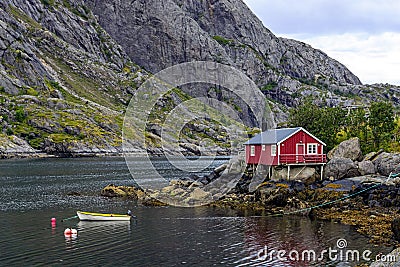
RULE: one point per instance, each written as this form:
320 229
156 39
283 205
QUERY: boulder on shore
366 167
387 163
350 149
11 146
395 254
339 168
373 155
306 175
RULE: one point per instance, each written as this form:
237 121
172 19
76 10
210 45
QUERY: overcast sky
364 35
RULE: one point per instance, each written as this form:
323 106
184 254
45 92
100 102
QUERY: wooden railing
293 159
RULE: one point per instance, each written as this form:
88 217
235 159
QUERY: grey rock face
387 163
16 146
339 168
306 175
175 31
158 34
56 58
366 167
350 149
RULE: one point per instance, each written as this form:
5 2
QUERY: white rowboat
92 216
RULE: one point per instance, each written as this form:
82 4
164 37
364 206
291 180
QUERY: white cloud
364 35
327 16
373 58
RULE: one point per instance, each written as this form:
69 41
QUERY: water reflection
33 194
264 236
89 227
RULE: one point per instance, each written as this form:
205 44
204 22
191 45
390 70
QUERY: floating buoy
53 222
70 232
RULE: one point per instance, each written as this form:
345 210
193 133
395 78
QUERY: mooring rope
334 201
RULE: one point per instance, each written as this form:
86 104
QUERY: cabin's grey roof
271 137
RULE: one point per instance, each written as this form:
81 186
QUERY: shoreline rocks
374 212
347 161
130 192
385 163
395 254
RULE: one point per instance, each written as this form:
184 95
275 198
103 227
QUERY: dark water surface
34 191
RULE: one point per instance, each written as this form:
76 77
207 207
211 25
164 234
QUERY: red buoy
53 222
70 232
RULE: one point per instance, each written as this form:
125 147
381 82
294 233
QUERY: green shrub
36 143
222 40
5 117
269 86
20 115
32 92
48 2
9 131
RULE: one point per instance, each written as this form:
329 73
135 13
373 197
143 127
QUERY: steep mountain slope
158 34
64 82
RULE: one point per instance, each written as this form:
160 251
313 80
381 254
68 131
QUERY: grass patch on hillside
269 86
223 41
19 14
86 87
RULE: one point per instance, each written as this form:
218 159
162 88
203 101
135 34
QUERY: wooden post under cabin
322 172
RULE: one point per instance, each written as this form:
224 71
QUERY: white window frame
252 151
310 149
264 147
273 150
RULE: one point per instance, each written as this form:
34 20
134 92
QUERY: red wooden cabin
289 146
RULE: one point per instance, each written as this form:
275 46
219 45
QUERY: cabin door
300 151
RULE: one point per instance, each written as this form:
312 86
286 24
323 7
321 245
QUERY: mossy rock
119 191
334 186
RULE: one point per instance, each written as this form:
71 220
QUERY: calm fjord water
34 191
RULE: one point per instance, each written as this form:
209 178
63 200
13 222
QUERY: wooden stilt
322 172
288 172
270 172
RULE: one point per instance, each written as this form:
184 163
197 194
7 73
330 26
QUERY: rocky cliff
64 82
158 34
69 67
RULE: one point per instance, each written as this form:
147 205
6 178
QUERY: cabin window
312 149
263 147
252 151
273 150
